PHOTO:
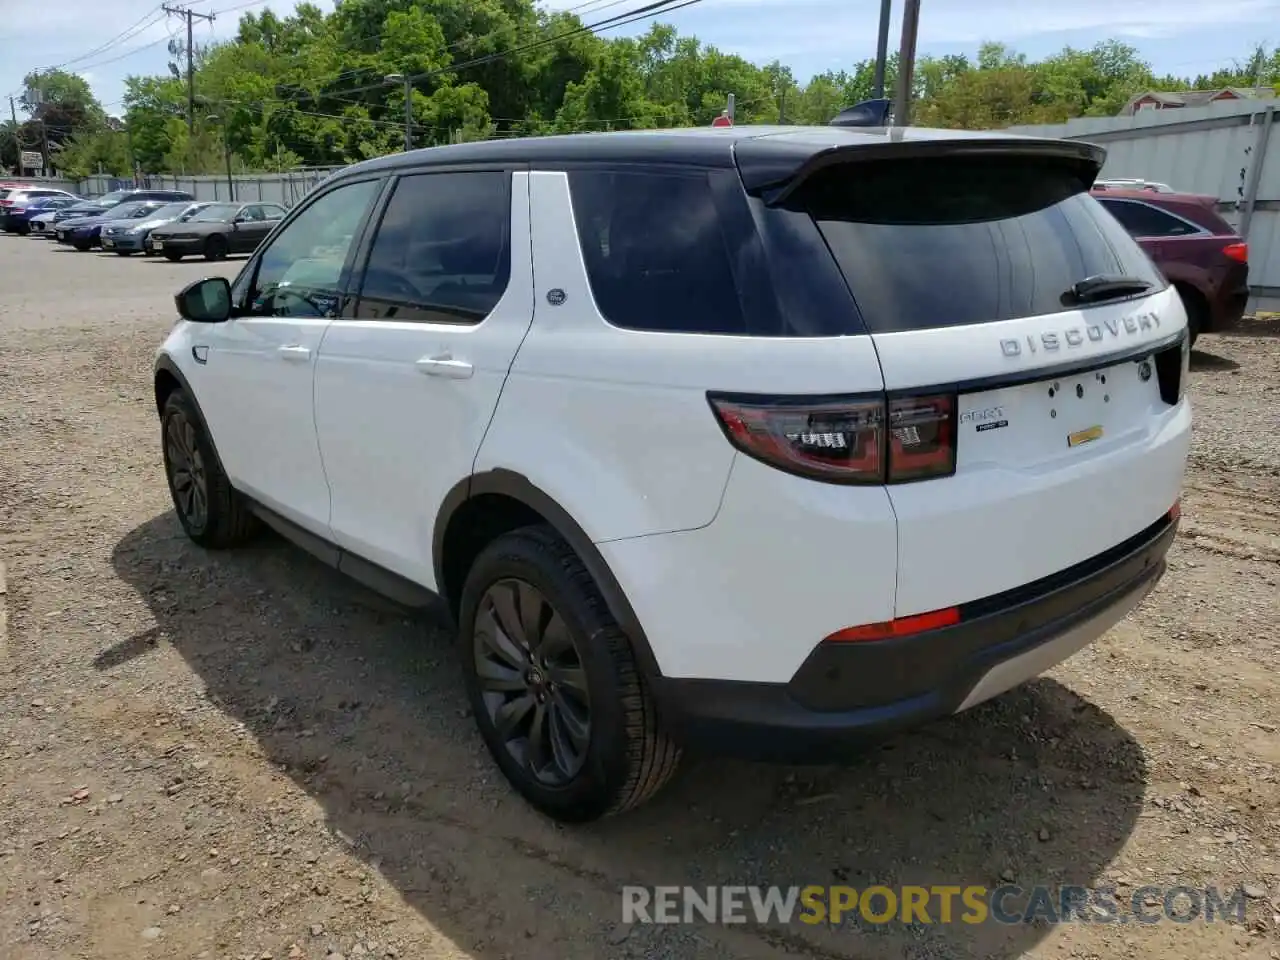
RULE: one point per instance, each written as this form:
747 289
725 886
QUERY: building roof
1198 98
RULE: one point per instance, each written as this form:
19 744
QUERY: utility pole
882 49
408 114
190 16
906 62
44 148
408 105
13 112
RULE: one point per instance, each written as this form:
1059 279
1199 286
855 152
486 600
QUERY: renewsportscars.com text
1008 904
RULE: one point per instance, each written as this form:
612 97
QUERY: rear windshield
929 243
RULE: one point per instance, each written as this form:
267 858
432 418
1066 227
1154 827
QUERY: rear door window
929 243
442 253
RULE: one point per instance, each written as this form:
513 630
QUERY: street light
226 151
408 106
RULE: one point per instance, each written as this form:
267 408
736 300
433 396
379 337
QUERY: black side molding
508 483
378 579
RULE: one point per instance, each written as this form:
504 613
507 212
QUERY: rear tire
23 229
215 248
210 510
541 650
82 246
124 253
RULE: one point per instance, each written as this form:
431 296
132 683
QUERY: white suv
770 441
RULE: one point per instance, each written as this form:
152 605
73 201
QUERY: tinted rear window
929 243
655 252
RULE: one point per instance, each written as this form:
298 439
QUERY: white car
769 441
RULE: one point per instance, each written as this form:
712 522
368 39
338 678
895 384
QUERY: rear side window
928 243
1144 220
443 251
655 251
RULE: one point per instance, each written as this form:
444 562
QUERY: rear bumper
1231 300
847 695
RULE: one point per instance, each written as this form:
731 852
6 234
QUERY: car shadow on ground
362 706
1202 361
1266 326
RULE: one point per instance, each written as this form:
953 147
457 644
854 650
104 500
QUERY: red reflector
1239 252
1176 510
902 627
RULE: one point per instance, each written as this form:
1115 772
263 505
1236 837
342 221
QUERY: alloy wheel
532 681
186 470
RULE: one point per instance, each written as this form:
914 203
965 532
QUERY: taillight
844 439
922 438
1239 252
1175 512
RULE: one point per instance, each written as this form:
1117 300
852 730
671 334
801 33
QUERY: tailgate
999 290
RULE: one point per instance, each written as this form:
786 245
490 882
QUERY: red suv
1200 253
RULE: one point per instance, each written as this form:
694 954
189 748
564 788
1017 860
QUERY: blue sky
1175 36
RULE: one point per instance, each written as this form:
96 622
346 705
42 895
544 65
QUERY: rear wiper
1104 286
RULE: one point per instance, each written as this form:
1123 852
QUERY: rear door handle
295 352
445 366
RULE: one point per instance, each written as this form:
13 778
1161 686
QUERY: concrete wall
1230 150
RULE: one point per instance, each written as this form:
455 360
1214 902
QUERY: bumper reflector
901 627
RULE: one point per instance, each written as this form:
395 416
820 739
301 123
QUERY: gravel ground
244 755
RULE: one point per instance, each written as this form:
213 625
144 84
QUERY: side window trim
248 277
364 250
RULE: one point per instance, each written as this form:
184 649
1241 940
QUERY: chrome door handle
294 352
445 366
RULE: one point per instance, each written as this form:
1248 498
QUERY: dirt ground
244 756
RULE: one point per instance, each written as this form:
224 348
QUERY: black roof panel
777 147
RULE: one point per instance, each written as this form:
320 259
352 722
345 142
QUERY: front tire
124 253
82 246
215 248
172 257
553 682
211 512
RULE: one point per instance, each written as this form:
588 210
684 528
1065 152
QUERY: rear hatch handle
1104 286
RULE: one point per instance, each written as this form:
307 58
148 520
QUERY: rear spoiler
770 169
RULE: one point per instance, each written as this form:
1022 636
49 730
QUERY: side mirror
205 301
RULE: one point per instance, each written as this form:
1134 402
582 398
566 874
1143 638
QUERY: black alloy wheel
188 478
532 681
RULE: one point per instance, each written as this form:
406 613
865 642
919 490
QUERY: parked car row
169 223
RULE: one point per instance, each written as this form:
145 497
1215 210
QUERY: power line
652 9
457 44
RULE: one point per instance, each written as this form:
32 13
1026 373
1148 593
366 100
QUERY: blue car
16 216
84 233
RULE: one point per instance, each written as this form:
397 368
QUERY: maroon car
1200 253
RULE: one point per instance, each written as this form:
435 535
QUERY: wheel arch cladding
486 505
169 378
